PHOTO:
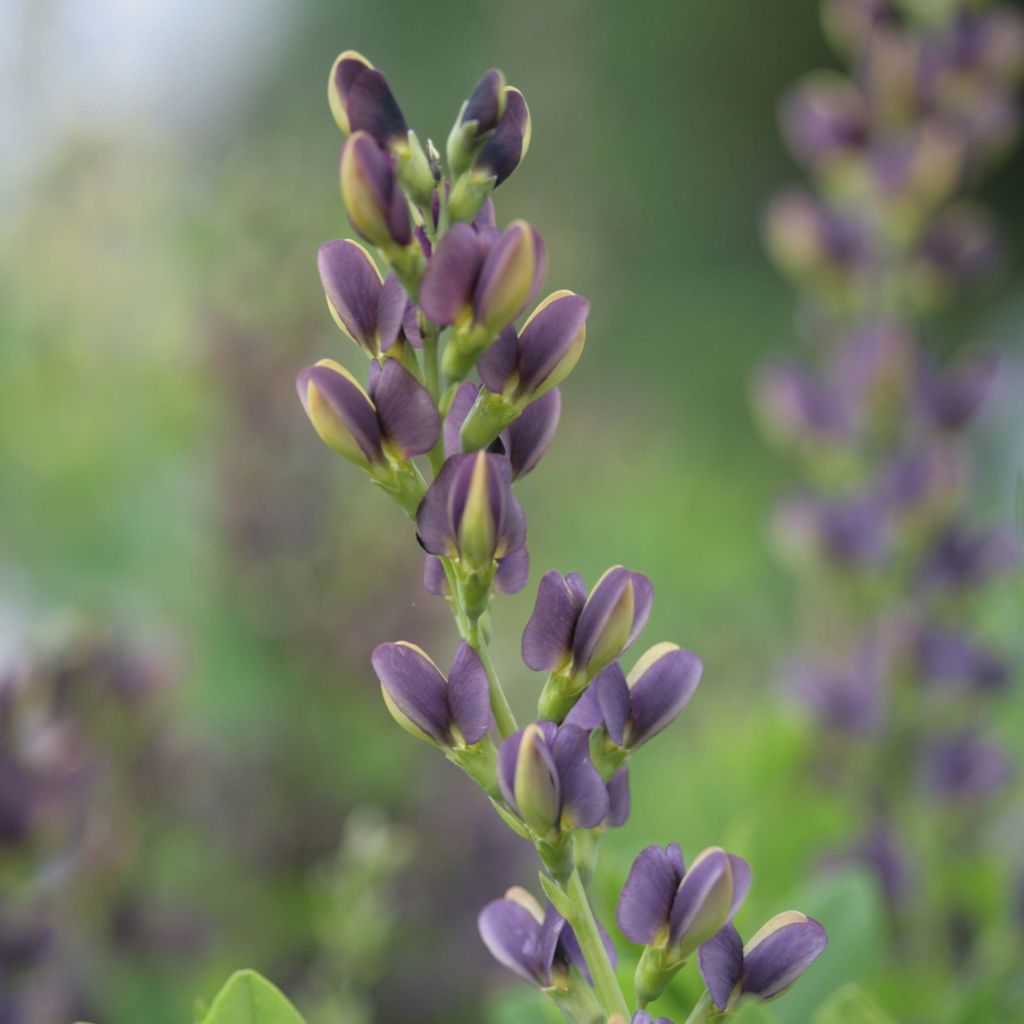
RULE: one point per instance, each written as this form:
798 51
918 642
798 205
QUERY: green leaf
851 1005
248 998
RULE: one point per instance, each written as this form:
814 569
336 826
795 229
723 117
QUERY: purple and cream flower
469 513
548 780
361 100
482 279
452 711
769 963
393 419
370 309
576 634
633 709
375 203
665 906
537 945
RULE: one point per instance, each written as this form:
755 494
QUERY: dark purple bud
847 696
966 769
548 779
824 119
509 277
959 248
645 903
505 149
951 398
446 292
849 531
361 100
376 205
780 952
513 571
341 412
486 102
543 355
452 712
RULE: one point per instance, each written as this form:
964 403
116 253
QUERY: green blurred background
170 172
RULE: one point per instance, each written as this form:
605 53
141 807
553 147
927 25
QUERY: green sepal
488 417
414 172
468 194
559 696
557 856
558 899
511 820
653 974
480 763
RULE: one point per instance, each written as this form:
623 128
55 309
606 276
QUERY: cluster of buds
84 749
449 449
881 531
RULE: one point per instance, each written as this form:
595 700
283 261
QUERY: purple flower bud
539 946
483 277
643 1017
478 119
848 532
361 100
375 203
959 248
963 559
571 631
619 800
824 119
525 366
948 659
636 708
846 697
664 905
452 712
925 481
369 310
524 440
798 407
951 398
548 779
469 513
768 965
966 769
395 417
504 151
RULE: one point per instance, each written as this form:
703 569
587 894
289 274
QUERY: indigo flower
964 558
369 309
769 963
797 407
361 100
663 905
846 697
824 119
538 945
394 418
549 781
949 659
505 149
643 1017
450 712
633 709
951 398
571 631
483 279
477 120
374 201
469 512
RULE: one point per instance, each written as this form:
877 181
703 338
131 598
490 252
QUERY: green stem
584 924
499 702
461 622
701 1012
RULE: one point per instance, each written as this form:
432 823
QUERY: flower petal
500 361
463 401
530 435
781 952
584 795
415 687
513 572
721 964
433 524
513 937
547 639
352 285
448 282
664 685
393 304
646 900
468 695
613 698
551 341
618 799
407 414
